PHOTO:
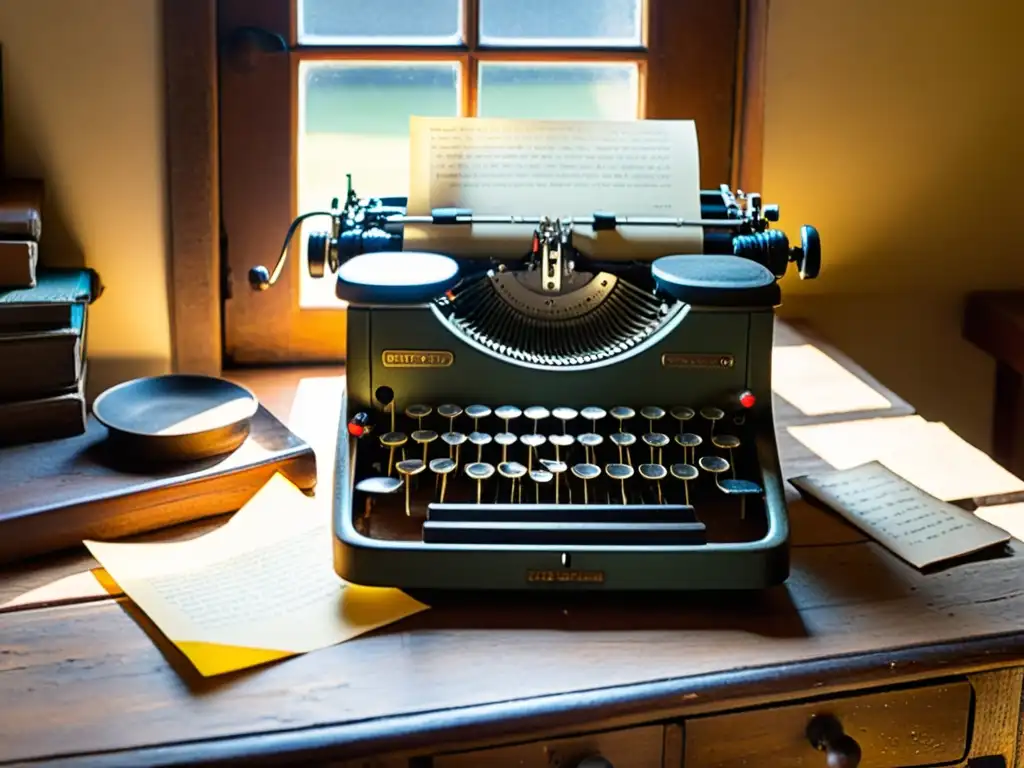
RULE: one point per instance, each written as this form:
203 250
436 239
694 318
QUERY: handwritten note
914 525
260 588
557 168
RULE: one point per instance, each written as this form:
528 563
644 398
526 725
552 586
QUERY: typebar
563 534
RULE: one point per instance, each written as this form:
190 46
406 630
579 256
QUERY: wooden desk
921 669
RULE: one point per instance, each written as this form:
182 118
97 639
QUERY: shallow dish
177 417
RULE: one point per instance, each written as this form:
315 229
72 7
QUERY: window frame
232 117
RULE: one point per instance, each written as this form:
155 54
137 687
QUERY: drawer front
629 748
903 728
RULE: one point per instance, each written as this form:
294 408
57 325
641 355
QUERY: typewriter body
543 419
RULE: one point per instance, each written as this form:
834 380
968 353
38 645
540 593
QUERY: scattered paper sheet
912 524
556 168
260 588
815 384
928 454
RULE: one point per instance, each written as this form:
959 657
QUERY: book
18 260
21 209
41 363
50 418
49 304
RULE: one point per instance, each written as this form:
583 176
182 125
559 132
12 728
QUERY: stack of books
43 320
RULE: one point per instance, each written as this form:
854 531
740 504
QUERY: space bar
561 513
578 534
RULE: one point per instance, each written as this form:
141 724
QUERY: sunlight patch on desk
816 384
927 454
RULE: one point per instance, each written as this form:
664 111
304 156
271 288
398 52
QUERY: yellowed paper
912 524
1009 517
555 168
261 587
928 454
815 384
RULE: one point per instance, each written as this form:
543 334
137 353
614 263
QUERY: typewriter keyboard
482 474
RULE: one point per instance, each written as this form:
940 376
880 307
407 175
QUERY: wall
894 127
83 110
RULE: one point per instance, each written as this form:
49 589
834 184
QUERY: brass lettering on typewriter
417 358
687 360
562 576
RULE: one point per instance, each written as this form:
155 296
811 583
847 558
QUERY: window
312 90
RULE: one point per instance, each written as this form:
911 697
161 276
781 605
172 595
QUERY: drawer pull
826 734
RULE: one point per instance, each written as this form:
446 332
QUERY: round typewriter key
652 413
378 485
418 412
713 415
479 471
408 468
451 412
561 441
655 473
454 440
505 439
480 439
507 413
512 470
589 441
556 468
586 472
539 477
477 412
713 464
536 413
442 468
689 442
622 473
656 440
725 442
686 473
593 414
424 437
682 413
532 442
564 414
622 413
623 440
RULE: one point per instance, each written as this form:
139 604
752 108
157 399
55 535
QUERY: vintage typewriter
540 419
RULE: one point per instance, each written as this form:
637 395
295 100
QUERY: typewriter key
622 473
652 413
378 485
623 440
506 413
727 443
505 439
556 468
536 414
741 488
539 477
418 412
622 414
532 442
408 469
713 415
681 413
479 472
564 414
716 465
590 441
586 472
392 440
512 470
441 468
480 439
454 440
593 414
686 473
655 473
424 437
477 412
656 440
450 412
689 442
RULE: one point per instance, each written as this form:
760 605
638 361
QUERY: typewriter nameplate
416 358
688 360
565 576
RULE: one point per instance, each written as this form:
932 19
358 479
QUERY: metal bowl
177 417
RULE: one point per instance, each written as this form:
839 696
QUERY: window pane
561 22
559 91
354 118
395 22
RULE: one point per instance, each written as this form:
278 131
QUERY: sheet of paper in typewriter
557 168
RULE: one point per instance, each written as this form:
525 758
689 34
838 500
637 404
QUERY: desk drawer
629 748
902 728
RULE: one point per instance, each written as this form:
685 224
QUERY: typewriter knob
317 248
808 256
259 278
